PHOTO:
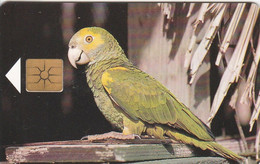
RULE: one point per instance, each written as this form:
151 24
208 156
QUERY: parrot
133 101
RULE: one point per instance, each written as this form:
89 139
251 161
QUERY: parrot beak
77 56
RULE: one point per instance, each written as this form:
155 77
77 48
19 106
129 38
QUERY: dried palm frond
233 69
188 54
256 111
205 44
216 7
195 57
201 15
230 31
242 135
249 91
243 110
190 9
167 9
257 139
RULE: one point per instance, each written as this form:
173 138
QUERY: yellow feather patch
119 68
106 78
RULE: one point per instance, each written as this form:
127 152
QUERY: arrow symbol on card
14 75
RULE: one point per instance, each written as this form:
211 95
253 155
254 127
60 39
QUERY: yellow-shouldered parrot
132 100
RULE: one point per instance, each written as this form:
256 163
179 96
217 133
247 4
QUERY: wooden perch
112 150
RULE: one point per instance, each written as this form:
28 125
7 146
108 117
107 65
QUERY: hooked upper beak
77 56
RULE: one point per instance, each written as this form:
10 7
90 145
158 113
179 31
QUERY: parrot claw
111 135
84 138
136 136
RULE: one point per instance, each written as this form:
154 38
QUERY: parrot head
85 45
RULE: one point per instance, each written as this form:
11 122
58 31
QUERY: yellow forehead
87 31
97 38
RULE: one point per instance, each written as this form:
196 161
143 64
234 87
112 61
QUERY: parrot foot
111 135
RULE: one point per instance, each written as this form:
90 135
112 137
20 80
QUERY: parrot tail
211 145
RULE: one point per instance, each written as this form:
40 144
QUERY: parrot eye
89 39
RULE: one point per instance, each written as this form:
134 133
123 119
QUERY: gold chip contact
44 75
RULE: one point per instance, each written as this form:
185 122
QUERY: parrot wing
142 97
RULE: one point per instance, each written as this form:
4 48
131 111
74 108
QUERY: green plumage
144 98
136 103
